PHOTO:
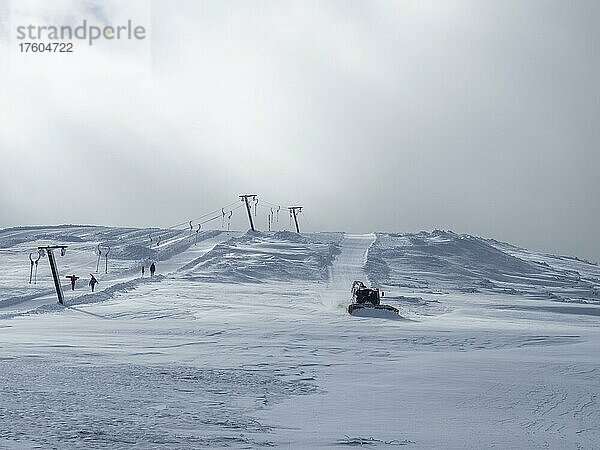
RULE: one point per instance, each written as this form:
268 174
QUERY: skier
73 279
93 282
152 269
143 270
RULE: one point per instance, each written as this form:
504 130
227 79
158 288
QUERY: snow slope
445 261
243 341
257 257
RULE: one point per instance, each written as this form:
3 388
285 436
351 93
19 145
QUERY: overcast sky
475 116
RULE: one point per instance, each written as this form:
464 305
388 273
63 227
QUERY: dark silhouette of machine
364 298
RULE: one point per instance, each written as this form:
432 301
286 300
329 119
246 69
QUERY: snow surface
243 341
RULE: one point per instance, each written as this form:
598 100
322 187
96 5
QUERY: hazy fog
476 116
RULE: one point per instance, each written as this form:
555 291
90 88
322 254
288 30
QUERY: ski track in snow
243 341
347 267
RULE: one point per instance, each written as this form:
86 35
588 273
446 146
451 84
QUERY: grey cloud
399 116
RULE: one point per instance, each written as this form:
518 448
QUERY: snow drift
445 261
256 257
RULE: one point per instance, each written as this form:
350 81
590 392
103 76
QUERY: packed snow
243 340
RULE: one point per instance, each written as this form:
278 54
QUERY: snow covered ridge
229 345
256 257
443 261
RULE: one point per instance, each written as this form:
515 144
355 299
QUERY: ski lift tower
245 198
49 249
294 210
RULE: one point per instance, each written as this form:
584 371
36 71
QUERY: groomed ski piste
242 340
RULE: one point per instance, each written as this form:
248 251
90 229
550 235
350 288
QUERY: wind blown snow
243 340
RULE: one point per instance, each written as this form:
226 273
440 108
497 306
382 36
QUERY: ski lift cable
270 203
211 219
186 223
197 220
159 235
177 226
269 208
220 215
215 211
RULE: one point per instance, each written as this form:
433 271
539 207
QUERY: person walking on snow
73 279
152 269
93 282
143 270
